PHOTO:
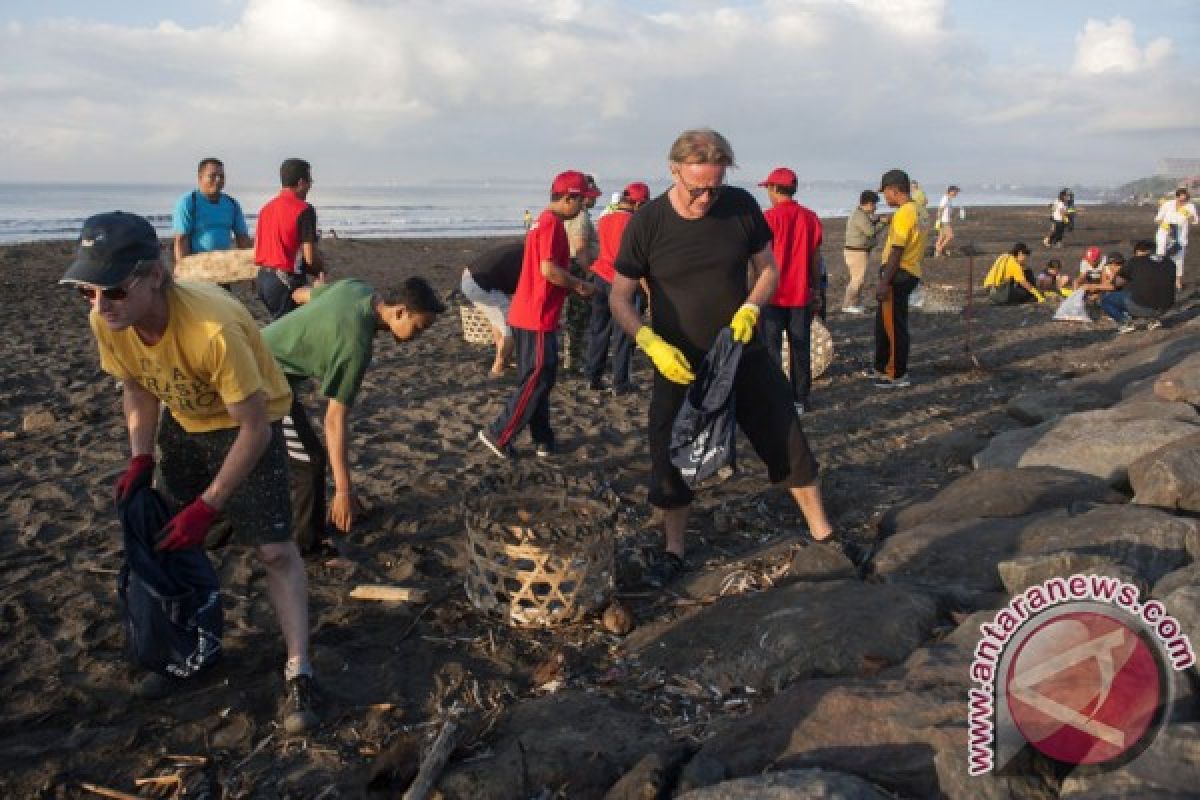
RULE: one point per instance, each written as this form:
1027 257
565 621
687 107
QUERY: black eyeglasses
112 293
696 192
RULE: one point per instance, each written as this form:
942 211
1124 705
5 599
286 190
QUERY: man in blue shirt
206 218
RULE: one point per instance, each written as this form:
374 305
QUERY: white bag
1074 308
916 299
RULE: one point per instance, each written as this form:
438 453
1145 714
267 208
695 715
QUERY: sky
1079 92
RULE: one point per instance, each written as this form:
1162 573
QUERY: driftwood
392 594
435 761
103 791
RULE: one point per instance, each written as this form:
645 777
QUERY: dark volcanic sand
67 714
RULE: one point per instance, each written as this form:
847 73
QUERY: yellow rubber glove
743 323
1066 291
1041 298
666 357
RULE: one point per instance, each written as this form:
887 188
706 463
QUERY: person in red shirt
601 330
285 240
795 241
533 317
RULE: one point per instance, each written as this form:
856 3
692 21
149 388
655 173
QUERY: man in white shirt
945 224
1173 219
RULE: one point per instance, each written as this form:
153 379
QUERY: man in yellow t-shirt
899 276
196 350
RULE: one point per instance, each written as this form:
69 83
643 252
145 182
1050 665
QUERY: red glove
187 528
137 474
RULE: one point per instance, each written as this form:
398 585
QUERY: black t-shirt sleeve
631 256
307 224
758 232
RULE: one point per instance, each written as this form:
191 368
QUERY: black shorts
259 511
764 413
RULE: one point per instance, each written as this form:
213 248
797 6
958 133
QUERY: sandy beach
389 672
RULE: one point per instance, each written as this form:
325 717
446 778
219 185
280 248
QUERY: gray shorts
258 512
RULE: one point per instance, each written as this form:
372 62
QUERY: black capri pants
764 413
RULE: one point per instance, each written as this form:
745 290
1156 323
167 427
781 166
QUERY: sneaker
544 450
1126 327
498 451
1154 324
853 310
855 553
884 382
299 714
665 569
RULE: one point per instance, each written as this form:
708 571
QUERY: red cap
1092 254
636 193
571 182
781 176
592 191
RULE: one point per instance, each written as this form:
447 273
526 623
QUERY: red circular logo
1083 688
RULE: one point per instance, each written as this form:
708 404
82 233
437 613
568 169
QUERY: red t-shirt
609 229
537 302
795 237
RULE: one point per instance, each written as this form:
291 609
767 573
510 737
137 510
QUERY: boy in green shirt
330 338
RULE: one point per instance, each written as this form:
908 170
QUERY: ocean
39 211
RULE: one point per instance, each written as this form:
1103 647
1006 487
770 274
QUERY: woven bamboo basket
820 342
476 328
940 298
539 547
219 266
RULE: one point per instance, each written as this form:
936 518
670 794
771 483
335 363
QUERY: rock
799 784
651 777
1037 406
955 783
815 563
701 770
1181 383
956 560
617 618
880 730
716 580
773 638
1099 443
1019 573
1184 605
573 741
1147 541
1002 493
946 662
1169 477
1184 576
1168 768
1152 359
38 421
957 448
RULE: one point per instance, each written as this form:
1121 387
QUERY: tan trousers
856 263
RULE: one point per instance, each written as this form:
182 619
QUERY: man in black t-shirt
691 246
1145 288
489 282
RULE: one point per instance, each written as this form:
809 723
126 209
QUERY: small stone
618 619
37 421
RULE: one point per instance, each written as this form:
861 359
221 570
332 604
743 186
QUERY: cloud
1110 47
380 90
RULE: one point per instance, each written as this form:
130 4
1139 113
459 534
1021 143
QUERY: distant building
1179 167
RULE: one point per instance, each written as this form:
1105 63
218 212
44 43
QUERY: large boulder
1152 359
956 560
800 784
1168 768
1099 443
1149 542
1002 492
1039 405
768 640
1184 576
1019 573
1181 383
1169 477
575 742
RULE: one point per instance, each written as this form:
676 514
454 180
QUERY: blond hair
701 146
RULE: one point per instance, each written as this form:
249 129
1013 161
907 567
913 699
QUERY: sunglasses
112 293
696 192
